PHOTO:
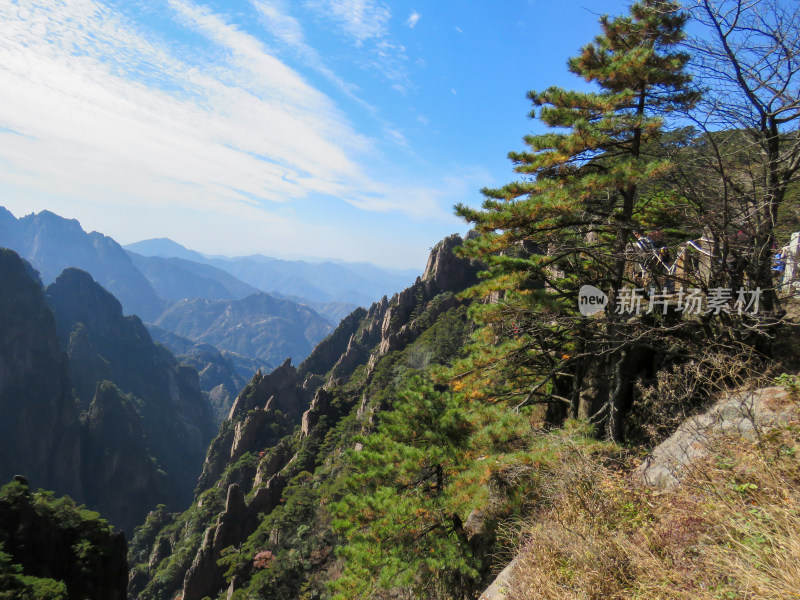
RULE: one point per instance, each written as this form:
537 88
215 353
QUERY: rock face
54 540
165 414
233 525
99 411
119 475
497 591
743 415
446 271
281 389
269 407
42 432
328 351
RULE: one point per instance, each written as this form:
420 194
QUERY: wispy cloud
99 108
361 20
413 19
366 24
275 18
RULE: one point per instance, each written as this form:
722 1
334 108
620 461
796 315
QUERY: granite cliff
43 431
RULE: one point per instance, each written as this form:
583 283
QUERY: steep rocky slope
42 432
139 403
284 432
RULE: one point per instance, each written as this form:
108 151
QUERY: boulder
746 415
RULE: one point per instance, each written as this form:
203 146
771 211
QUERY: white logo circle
591 300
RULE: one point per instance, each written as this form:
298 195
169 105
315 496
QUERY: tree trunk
615 399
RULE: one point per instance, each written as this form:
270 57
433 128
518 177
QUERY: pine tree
570 219
399 518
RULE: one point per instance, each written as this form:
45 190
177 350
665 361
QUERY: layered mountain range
218 304
261 326
318 282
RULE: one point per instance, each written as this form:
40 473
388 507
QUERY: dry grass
730 532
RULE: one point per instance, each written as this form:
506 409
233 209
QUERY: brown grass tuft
731 531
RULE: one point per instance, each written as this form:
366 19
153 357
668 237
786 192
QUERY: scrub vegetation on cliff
52 549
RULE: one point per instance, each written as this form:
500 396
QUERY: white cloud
366 24
284 27
107 112
361 20
397 137
413 19
390 59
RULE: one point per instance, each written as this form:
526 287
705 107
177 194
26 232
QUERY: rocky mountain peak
52 243
76 298
447 271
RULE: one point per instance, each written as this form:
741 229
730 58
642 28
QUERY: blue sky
327 128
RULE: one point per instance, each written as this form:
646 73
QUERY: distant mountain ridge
52 243
147 286
207 299
259 326
147 276
164 248
179 278
358 284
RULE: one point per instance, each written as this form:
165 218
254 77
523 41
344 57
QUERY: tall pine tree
570 219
